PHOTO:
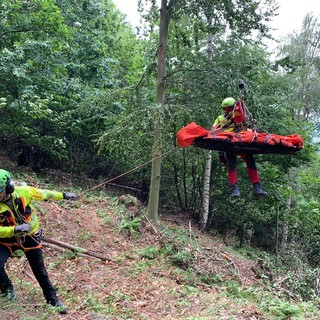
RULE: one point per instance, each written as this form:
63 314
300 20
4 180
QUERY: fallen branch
77 249
225 255
279 282
62 250
150 224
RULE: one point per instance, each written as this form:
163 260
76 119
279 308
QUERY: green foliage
211 279
149 252
233 288
141 266
105 217
181 259
70 254
55 54
285 310
131 225
84 235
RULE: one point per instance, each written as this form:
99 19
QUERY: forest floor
170 271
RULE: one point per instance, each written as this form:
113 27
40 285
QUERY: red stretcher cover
244 142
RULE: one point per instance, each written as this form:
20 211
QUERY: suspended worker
226 122
19 229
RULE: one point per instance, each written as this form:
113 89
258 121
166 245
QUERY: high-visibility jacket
222 122
24 211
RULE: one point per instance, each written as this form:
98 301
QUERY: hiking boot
58 304
10 295
257 190
235 191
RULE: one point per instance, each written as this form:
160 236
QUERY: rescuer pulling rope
19 229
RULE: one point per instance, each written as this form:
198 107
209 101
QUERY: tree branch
77 249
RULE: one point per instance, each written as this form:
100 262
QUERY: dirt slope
130 286
141 281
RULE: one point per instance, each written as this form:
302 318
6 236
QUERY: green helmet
5 177
228 102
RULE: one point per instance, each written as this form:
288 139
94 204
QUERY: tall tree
207 171
165 16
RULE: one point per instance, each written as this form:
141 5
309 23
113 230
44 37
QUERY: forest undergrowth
143 270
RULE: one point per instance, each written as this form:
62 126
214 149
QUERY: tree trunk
153 203
285 229
277 234
318 283
207 174
206 193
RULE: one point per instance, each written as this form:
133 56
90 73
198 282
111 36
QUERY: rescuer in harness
19 229
226 122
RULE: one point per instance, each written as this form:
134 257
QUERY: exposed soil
154 292
130 286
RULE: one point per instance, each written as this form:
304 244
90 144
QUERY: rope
248 111
101 184
252 122
129 171
32 236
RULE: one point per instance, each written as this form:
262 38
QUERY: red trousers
232 167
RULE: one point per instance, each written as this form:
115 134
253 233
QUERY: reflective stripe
51 196
48 195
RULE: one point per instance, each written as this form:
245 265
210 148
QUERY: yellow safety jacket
24 212
223 122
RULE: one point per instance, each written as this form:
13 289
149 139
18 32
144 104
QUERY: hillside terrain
170 271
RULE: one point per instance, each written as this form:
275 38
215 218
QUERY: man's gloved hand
70 196
22 228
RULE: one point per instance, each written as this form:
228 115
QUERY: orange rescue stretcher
249 141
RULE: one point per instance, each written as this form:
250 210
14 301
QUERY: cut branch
77 249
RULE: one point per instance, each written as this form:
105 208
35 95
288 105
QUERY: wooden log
77 249
61 249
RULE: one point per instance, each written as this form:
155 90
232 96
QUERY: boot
257 190
58 304
10 295
235 190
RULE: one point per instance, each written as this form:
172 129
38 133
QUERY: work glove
22 228
70 196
